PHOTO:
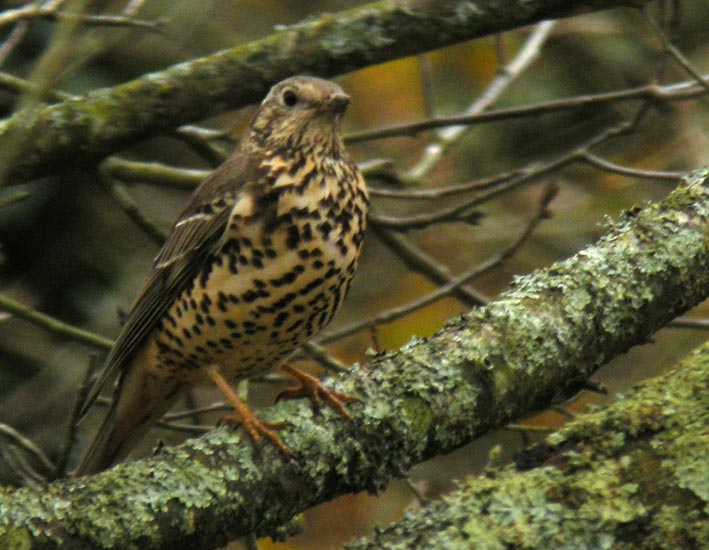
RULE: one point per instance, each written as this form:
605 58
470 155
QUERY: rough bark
634 474
538 341
39 142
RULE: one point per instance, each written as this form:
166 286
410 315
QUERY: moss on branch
85 129
540 339
631 475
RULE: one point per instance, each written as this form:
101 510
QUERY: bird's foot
254 426
312 388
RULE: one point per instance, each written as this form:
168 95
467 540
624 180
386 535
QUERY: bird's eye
289 98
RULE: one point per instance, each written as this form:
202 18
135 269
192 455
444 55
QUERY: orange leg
245 417
312 388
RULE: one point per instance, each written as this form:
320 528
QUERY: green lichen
418 415
15 538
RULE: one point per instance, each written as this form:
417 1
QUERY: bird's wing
196 234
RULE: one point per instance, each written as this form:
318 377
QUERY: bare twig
691 323
449 136
53 13
17 462
14 198
126 202
423 263
53 324
453 189
12 40
675 54
648 92
153 172
321 356
598 162
18 440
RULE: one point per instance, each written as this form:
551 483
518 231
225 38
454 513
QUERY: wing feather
195 236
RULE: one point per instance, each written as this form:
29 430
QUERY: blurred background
69 250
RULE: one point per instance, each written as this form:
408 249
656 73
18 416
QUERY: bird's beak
338 102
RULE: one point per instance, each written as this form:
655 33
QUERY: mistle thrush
257 263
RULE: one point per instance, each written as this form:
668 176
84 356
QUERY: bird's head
299 113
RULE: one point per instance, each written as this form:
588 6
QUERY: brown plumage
258 261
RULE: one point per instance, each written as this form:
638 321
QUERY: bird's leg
312 388
244 416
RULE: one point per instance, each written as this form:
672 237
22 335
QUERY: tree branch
84 130
538 341
632 472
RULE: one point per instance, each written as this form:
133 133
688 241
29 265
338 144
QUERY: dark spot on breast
310 286
325 229
295 325
280 318
293 237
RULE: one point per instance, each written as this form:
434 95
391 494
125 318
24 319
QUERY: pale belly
251 309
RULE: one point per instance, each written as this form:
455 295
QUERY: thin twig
525 428
608 166
688 322
73 428
321 356
675 54
422 262
14 198
122 197
12 40
448 190
9 17
214 407
153 173
421 499
17 439
449 136
18 464
53 324
648 92
452 213
427 85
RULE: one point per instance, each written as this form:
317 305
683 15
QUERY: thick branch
539 340
631 475
83 130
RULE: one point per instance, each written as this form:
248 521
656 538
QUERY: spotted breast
259 260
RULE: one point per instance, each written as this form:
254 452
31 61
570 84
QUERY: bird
258 261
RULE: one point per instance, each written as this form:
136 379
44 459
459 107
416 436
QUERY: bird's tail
139 400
